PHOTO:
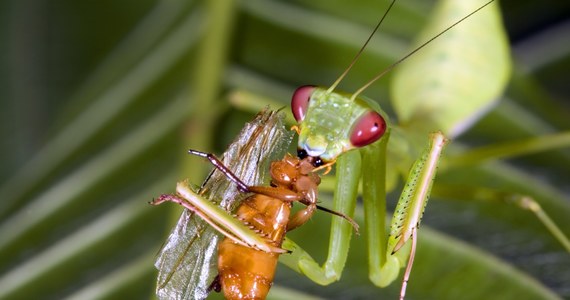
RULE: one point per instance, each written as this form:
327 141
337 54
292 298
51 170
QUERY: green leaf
450 83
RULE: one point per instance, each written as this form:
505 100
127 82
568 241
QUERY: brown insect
245 268
245 271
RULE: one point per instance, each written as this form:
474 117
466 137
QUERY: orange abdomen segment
246 273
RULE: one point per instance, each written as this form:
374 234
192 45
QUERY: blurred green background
101 99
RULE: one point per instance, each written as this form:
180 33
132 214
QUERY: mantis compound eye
300 101
368 129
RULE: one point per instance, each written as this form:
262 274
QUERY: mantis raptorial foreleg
385 259
413 201
347 169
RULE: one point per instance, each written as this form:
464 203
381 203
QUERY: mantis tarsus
345 242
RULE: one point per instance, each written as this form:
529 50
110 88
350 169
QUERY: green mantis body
330 125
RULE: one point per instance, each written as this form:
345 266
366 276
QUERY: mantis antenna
341 77
396 63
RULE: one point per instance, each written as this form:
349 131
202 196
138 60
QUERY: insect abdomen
244 272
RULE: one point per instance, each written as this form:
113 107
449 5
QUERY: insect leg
279 193
276 192
410 263
218 218
220 166
183 202
301 217
415 195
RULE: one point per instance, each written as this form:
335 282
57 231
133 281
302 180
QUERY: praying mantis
324 276
115 127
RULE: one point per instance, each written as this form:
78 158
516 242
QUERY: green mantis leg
374 198
385 258
348 168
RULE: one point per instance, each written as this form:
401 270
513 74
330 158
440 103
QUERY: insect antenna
341 77
393 65
347 218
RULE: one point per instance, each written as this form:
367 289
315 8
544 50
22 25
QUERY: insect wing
187 261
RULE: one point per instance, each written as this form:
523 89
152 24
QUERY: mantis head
331 123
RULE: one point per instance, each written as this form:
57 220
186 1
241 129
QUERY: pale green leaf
452 81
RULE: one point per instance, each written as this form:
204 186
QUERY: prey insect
247 259
246 262
187 261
